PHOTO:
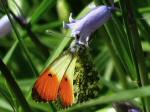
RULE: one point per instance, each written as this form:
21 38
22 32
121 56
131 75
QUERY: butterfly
70 79
57 81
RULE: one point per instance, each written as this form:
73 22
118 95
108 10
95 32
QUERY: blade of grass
119 47
144 9
132 31
7 96
4 107
14 87
120 43
6 60
46 4
123 95
146 46
109 69
10 52
143 27
142 23
30 62
118 65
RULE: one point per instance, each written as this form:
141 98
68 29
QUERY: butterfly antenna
56 34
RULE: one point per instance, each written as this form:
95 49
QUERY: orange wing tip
66 92
46 87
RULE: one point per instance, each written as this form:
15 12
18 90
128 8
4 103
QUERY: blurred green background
120 50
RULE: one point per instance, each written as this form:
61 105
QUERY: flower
5 26
82 29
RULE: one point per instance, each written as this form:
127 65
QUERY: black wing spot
66 79
50 75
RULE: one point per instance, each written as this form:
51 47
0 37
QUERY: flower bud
5 26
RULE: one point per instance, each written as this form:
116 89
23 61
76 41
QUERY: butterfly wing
86 78
46 86
66 90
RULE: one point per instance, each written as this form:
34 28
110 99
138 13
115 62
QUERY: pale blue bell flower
83 28
5 26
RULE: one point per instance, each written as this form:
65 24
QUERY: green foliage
120 51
